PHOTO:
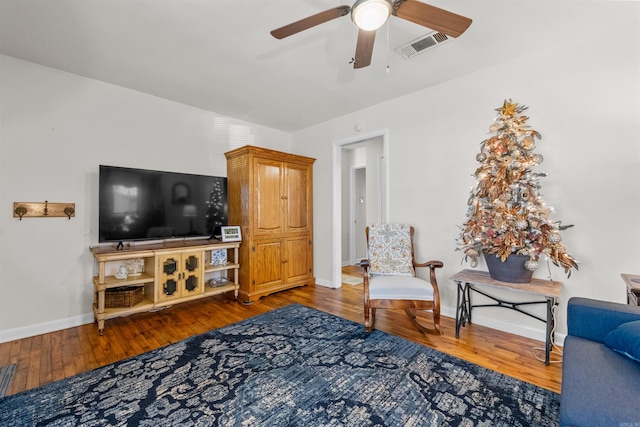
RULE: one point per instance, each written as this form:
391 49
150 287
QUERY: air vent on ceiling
417 46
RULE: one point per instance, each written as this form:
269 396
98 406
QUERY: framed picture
219 257
231 233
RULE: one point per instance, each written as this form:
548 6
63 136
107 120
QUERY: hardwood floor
51 357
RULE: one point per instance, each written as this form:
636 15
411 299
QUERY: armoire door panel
268 264
268 197
298 258
297 198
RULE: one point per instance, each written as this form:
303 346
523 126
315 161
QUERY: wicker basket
124 296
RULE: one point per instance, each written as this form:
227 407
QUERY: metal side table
469 280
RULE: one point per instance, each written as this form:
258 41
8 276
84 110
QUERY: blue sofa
600 386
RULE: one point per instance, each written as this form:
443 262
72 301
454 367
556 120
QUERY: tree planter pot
512 270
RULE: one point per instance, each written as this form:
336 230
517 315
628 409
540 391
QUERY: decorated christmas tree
506 213
215 207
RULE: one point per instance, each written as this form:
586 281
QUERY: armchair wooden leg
411 312
369 318
436 321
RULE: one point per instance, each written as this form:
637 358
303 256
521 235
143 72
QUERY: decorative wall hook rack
43 209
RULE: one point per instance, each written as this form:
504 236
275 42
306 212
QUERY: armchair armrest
364 264
430 264
433 264
593 320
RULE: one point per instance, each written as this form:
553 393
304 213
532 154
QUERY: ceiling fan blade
433 17
310 21
364 48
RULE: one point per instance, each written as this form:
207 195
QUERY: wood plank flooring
53 356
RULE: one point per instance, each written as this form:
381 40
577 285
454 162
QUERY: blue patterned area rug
294 366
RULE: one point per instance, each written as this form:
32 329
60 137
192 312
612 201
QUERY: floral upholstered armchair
390 279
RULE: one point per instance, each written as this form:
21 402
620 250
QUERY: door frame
336 180
352 212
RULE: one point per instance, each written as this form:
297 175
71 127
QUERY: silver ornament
555 238
531 265
481 157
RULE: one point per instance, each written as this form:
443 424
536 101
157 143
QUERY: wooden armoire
271 199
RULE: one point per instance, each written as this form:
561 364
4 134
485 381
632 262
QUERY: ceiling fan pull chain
388 69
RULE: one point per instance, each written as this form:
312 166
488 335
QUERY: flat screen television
140 204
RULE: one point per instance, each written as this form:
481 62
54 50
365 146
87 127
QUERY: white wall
584 98
55 129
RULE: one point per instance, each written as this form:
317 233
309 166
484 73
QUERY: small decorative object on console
231 233
219 257
122 272
135 267
218 282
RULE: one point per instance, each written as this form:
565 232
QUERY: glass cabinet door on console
179 275
192 274
169 277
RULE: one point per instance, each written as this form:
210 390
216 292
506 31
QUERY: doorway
359 196
358 222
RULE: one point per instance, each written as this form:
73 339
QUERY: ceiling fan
369 15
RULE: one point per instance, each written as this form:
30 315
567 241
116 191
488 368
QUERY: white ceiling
218 55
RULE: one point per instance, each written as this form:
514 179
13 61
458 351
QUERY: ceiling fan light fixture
369 15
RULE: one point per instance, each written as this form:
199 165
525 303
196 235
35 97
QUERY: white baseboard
46 327
327 283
